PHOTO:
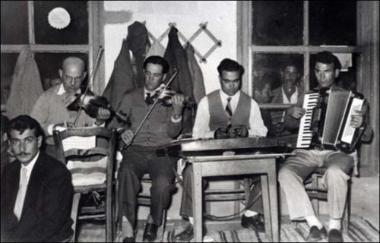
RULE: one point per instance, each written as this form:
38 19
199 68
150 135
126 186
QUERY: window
25 23
274 32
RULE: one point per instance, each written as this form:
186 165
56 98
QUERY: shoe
255 223
187 234
335 235
316 234
129 239
150 232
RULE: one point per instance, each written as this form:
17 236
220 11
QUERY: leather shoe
129 239
255 223
335 235
187 234
316 234
150 232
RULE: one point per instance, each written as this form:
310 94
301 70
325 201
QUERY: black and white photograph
190 121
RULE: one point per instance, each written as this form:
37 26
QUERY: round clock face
59 18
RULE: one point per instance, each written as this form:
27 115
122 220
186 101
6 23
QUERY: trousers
138 161
299 167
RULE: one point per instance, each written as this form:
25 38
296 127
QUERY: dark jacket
47 206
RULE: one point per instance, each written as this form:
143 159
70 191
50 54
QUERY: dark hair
230 65
327 57
290 63
4 124
157 60
23 122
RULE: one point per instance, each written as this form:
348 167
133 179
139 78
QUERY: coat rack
202 28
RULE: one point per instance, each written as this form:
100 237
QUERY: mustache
21 154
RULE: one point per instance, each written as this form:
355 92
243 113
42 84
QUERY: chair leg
109 218
347 211
163 226
74 214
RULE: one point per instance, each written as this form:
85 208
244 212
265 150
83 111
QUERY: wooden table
221 165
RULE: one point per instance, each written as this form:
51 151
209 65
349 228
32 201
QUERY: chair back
89 153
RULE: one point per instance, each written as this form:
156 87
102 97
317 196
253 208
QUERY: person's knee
284 175
335 172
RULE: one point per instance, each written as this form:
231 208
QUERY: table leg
197 201
266 203
272 180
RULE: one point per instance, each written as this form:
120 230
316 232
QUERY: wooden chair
317 192
89 154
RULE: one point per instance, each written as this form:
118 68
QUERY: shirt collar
61 90
293 97
224 96
29 167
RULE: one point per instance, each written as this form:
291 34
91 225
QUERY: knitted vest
218 116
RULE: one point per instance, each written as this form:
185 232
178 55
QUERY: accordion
327 124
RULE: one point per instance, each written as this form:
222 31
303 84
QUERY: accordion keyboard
305 133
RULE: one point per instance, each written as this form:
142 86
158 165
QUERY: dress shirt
201 127
19 203
293 97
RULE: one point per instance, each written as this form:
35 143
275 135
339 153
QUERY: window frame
90 48
246 50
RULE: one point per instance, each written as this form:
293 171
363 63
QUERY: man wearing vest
226 113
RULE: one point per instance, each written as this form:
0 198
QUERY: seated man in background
143 151
51 107
305 161
36 189
226 113
289 92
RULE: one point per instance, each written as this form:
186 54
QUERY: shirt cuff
176 120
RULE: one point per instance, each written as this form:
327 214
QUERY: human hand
103 114
178 103
296 112
238 131
356 119
127 137
221 132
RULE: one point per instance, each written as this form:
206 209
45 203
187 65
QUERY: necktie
228 107
149 99
21 193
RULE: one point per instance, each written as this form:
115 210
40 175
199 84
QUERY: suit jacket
46 214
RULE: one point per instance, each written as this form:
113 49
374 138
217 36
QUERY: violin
91 104
165 96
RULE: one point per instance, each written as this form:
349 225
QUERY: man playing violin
143 151
226 113
51 109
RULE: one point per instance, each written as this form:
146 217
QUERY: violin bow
90 79
151 108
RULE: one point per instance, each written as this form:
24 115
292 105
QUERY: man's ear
84 75
337 71
164 77
60 71
39 141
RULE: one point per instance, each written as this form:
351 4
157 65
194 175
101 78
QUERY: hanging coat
176 57
127 73
196 74
122 78
26 85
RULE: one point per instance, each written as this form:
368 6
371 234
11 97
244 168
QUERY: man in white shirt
36 189
289 92
226 113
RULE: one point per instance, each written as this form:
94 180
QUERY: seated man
297 168
36 189
51 109
288 93
143 151
225 113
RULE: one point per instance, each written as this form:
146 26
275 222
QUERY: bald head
72 73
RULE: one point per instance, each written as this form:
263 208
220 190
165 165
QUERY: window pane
332 22
347 76
266 74
14 22
8 62
277 22
50 63
75 33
